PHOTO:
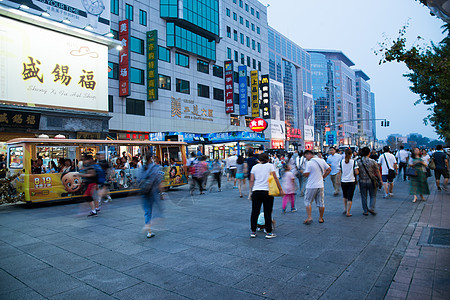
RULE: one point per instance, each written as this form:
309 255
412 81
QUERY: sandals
321 221
307 222
349 215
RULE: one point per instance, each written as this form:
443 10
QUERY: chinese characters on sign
31 70
229 87
152 65
124 66
293 133
265 95
190 110
258 125
243 108
19 119
254 93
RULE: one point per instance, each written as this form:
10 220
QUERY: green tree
430 75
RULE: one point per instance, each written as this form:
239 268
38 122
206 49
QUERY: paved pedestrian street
202 250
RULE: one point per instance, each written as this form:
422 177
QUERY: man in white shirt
387 162
402 160
333 161
316 171
231 167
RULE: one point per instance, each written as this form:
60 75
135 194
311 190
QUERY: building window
259 66
115 34
164 82
203 66
129 12
235 16
252 11
164 54
257 14
253 27
253 44
114 73
242 59
218 94
349 82
247 24
218 71
236 80
137 76
258 30
236 56
248 61
235 120
228 12
246 7
236 98
241 4
228 31
259 47
228 53
142 17
136 45
234 1
110 103
248 41
242 39
235 35
115 7
241 20
203 90
135 107
182 86
254 63
181 60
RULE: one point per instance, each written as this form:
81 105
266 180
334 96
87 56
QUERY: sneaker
293 209
97 209
372 212
391 195
385 196
92 213
253 235
150 235
220 190
444 188
439 188
271 235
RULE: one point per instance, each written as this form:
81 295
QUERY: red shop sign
258 125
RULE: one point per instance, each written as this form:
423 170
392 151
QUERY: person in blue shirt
333 161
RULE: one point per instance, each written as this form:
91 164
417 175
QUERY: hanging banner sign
255 93
243 105
152 65
258 125
124 55
229 87
265 95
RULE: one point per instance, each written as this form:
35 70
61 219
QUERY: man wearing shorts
316 171
441 162
387 161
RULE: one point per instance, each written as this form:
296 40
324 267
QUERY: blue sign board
243 105
331 137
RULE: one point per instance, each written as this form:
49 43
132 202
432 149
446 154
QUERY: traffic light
384 123
387 123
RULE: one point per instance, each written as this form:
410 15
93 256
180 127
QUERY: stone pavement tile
215 274
164 259
417 296
116 260
420 289
36 231
7 250
20 264
314 280
125 247
82 292
146 291
273 271
57 239
23 293
202 289
165 278
82 248
41 249
441 280
20 239
8 283
399 286
344 257
213 245
105 279
393 293
69 263
338 293
257 254
49 282
292 261
167 246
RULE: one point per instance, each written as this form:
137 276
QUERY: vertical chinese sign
229 87
124 54
265 96
255 93
243 108
152 65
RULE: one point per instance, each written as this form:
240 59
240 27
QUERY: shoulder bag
391 172
375 181
411 172
432 163
273 187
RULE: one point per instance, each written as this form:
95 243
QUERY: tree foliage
430 75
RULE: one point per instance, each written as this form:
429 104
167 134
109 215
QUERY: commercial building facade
290 65
364 109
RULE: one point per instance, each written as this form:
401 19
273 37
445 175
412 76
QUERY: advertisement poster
124 58
265 96
229 87
243 108
68 71
254 85
277 124
174 176
308 117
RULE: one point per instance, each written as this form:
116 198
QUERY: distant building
374 122
363 108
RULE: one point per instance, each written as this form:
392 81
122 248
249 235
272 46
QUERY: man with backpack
149 181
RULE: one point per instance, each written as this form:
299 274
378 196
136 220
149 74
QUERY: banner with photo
277 124
308 117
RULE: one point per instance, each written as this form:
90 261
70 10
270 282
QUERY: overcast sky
355 27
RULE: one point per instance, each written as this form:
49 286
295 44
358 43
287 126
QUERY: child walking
289 188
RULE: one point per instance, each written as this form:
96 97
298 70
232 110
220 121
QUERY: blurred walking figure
289 188
251 161
149 180
388 170
240 173
301 164
369 179
348 169
200 168
216 171
441 162
89 175
103 172
418 184
402 160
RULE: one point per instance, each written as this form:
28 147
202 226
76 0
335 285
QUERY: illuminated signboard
255 93
124 58
152 65
293 133
277 144
67 72
243 108
229 87
19 119
258 125
265 95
